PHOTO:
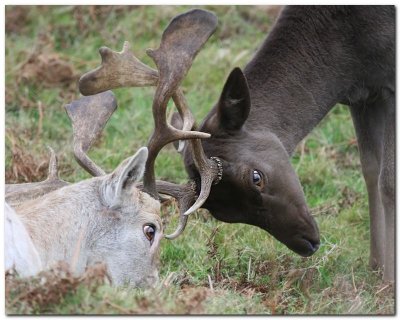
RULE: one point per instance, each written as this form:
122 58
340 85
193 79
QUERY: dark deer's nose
313 246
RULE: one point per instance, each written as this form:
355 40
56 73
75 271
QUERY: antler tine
52 171
180 43
210 171
89 115
185 194
185 113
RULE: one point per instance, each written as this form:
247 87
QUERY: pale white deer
106 218
102 219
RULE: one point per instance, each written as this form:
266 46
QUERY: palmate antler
123 69
180 43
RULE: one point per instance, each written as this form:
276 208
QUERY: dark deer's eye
258 178
149 231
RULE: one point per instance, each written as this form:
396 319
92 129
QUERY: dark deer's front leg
368 123
374 126
387 182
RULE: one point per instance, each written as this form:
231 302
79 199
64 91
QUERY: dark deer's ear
234 103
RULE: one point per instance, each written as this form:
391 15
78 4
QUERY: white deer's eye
149 231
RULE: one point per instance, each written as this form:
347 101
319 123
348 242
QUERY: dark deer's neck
298 75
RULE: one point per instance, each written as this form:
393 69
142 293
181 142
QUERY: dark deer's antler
117 70
123 69
181 41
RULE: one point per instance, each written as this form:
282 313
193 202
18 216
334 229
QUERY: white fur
20 253
99 220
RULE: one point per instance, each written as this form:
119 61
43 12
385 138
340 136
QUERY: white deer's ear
128 172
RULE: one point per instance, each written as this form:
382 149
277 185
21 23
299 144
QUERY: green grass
251 273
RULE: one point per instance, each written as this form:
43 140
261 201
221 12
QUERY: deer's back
350 47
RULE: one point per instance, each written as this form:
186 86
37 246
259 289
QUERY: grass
213 268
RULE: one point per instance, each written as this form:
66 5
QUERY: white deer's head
102 219
132 228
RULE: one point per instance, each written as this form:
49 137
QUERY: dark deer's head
259 185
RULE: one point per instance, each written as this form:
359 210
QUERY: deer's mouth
304 246
312 246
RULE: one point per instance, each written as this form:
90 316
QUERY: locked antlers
180 43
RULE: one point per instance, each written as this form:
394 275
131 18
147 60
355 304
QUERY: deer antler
181 41
117 70
123 69
185 194
89 115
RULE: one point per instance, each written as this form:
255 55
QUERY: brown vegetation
50 287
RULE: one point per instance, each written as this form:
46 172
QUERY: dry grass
49 287
25 166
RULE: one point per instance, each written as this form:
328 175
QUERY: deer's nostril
313 245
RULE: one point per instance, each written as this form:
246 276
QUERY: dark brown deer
315 57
